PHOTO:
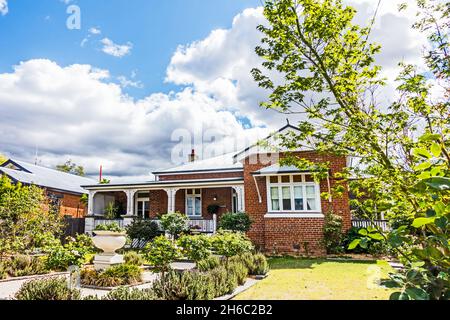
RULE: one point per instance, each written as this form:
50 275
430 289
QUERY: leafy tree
2 159
71 168
175 223
26 217
319 63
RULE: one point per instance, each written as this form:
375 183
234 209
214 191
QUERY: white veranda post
240 198
171 193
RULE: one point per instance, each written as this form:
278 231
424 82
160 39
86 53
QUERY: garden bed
36 276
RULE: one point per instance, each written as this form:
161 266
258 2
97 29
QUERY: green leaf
422 166
354 244
430 137
436 149
439 183
376 236
420 222
421 153
363 232
399 296
417 294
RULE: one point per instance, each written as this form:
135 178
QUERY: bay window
293 193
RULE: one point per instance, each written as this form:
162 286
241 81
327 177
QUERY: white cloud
3 7
95 31
220 64
125 82
116 50
77 113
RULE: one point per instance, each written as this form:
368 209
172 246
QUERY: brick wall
158 202
70 205
292 235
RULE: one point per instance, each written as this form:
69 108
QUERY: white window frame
291 184
141 199
193 195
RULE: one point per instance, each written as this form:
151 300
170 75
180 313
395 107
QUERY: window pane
198 191
273 179
274 193
143 194
198 206
311 204
285 179
310 192
298 198
297 178
275 205
309 178
286 198
139 209
189 191
190 206
146 209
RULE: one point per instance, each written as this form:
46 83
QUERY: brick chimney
192 156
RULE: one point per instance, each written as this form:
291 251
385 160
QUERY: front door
143 205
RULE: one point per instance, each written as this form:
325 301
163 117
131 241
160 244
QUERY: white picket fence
383 224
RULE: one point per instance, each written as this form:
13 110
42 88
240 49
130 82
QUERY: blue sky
37 29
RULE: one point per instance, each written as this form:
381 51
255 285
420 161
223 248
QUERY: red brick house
62 188
283 202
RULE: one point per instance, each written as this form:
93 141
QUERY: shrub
123 293
134 258
374 247
208 263
118 275
3 272
161 252
260 265
111 211
47 289
24 265
224 282
75 252
113 227
175 223
236 268
235 222
332 233
188 285
229 244
142 229
195 247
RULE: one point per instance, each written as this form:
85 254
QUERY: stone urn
109 242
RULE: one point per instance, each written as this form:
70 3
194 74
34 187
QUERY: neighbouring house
62 188
284 203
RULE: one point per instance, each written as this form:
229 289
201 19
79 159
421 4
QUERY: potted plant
213 209
108 238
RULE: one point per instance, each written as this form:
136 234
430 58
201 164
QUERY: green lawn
319 279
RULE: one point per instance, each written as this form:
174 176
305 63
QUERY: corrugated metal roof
46 177
223 162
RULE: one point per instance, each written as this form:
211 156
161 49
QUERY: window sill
294 215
